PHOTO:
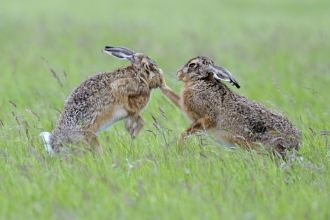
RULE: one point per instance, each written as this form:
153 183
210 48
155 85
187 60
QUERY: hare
103 99
231 117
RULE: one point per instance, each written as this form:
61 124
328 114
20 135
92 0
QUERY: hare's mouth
180 75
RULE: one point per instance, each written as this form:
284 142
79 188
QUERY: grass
278 51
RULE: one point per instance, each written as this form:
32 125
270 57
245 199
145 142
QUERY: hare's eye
192 65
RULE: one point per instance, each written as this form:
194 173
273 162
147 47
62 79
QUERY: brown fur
212 106
100 97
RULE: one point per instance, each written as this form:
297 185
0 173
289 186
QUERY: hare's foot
129 124
137 127
279 145
134 124
204 123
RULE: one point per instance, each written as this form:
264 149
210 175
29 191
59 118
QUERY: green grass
277 50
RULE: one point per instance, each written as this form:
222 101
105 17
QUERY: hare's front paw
162 79
137 127
133 125
129 125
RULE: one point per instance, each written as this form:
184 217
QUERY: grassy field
277 50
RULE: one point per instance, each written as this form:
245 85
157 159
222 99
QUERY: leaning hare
105 98
231 117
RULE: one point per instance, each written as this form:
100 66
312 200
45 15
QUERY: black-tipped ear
221 73
119 52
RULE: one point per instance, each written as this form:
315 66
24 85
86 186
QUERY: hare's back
255 118
87 101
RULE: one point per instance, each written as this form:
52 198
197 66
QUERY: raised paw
133 125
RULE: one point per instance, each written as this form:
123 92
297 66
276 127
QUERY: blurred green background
277 50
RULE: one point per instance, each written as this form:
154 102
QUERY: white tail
46 138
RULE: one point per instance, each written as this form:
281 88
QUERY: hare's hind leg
204 123
279 146
134 124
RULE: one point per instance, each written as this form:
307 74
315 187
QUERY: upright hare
105 98
233 118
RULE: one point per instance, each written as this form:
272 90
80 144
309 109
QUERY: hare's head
142 63
202 68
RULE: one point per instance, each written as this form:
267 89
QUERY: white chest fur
118 114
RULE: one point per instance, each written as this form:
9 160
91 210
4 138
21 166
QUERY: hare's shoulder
99 83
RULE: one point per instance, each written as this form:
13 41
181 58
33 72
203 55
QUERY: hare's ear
120 52
221 73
